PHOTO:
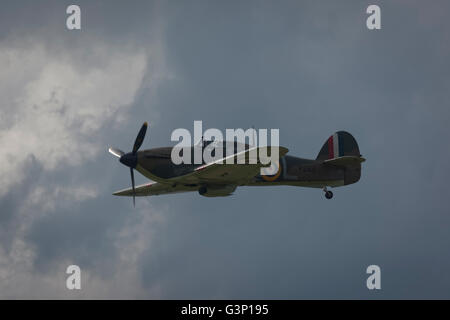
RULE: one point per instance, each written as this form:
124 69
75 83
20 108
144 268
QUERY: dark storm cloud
307 68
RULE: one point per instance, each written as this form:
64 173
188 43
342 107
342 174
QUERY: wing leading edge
154 189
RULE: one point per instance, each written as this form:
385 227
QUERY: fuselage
156 164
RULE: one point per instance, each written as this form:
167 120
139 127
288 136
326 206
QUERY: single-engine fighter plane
337 164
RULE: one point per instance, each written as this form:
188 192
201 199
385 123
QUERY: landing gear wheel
328 194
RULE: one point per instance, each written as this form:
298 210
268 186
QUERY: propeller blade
140 138
118 153
132 184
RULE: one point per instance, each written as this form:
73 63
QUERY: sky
308 68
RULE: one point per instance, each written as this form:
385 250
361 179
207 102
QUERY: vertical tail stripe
336 145
341 147
330 148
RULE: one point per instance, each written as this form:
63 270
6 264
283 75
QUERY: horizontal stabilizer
345 161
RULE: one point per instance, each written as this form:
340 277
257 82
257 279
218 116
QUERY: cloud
55 107
121 279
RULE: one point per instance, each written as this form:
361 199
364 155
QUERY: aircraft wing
154 189
219 172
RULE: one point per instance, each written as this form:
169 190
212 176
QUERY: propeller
118 153
130 159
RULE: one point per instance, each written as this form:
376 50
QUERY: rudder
337 145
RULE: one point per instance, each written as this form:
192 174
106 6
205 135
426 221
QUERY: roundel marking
273 177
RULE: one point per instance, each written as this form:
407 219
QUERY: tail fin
339 144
